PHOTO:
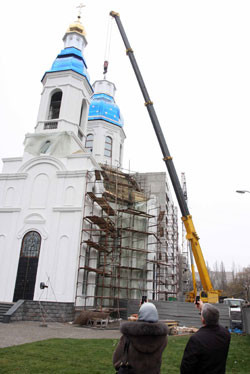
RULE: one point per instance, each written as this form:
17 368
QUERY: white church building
42 192
43 195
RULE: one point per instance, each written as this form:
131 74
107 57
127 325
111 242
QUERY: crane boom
212 295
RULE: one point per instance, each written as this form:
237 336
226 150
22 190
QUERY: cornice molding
10 210
13 176
107 125
67 73
12 159
71 174
67 209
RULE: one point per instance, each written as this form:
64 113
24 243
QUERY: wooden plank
96 245
102 202
98 271
136 212
98 175
104 223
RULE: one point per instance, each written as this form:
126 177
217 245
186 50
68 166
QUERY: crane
190 295
208 294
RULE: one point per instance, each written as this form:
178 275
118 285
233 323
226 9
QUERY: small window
55 105
83 114
89 142
45 147
120 155
108 147
80 121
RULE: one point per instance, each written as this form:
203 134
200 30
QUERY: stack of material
90 318
133 317
182 330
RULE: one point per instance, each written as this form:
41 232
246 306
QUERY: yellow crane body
208 294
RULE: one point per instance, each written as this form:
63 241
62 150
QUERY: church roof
70 58
77 27
103 107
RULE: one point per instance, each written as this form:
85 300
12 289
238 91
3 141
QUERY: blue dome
103 107
70 59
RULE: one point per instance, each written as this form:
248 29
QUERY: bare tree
223 277
240 286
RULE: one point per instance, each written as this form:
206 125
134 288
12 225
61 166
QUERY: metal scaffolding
123 254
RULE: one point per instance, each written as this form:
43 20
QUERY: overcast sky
195 60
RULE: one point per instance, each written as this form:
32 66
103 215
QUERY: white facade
43 191
45 195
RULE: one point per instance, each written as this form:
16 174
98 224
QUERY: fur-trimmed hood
146 337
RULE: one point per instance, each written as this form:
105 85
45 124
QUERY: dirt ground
16 333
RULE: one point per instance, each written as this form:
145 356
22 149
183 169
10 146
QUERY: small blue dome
103 107
70 59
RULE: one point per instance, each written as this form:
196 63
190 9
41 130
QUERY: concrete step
4 307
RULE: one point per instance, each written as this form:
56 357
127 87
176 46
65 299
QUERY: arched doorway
27 267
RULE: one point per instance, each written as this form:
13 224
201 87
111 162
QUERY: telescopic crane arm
212 295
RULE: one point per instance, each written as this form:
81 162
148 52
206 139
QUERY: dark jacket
206 351
147 342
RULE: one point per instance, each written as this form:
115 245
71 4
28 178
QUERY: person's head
209 315
148 313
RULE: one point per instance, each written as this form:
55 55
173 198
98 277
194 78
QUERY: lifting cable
107 46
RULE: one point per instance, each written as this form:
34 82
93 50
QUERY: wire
107 45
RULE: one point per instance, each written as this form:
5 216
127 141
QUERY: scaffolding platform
102 202
105 224
95 245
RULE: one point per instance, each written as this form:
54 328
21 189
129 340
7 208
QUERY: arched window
45 147
31 244
89 142
108 147
83 114
27 267
55 105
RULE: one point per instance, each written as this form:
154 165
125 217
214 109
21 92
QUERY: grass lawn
94 356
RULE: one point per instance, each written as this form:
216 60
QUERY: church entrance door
27 267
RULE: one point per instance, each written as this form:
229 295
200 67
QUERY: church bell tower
66 94
105 134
